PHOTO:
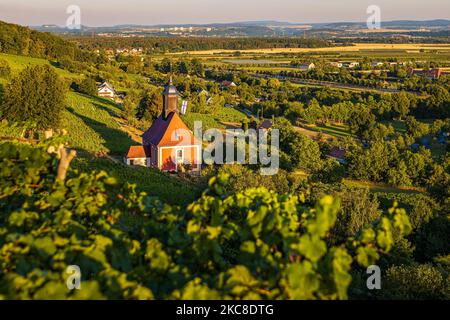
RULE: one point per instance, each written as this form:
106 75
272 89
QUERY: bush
414 282
36 95
88 86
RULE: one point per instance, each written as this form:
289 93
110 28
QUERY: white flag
184 107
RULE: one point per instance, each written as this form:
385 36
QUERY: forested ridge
15 39
172 44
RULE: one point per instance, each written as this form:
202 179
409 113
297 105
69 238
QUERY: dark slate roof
156 132
266 124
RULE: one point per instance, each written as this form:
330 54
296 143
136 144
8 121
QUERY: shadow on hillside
100 100
116 141
113 113
105 101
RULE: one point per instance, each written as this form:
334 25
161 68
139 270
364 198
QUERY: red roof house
138 156
432 74
168 143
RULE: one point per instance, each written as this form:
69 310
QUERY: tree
5 69
88 86
296 150
183 67
150 105
361 121
401 104
36 95
197 67
415 128
166 65
415 282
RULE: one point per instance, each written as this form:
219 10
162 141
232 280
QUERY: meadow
18 63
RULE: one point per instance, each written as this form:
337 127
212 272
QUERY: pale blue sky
111 12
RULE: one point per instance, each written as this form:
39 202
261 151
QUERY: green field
92 125
217 120
17 63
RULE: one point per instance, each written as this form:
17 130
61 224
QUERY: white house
307 66
350 64
336 64
105 90
376 64
138 156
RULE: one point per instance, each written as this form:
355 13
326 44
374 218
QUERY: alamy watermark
74 279
374 280
73 22
374 19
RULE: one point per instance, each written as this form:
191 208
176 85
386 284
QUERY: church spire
170 99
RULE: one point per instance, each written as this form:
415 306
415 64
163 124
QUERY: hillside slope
95 132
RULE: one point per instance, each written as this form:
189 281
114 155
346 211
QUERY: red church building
168 145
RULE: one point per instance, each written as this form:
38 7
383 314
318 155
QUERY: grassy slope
17 63
93 128
218 120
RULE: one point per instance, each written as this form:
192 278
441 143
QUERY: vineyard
254 244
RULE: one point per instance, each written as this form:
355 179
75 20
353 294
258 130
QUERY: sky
149 12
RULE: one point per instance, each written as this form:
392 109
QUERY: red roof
432 73
162 132
338 153
138 152
156 132
227 83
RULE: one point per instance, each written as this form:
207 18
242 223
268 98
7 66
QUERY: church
168 144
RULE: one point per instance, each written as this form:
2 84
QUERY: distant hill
264 28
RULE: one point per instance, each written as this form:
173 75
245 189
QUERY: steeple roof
170 88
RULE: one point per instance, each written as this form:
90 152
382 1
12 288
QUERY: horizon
238 22
198 12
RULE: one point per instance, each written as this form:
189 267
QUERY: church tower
170 100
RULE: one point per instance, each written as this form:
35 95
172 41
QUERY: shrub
414 282
36 95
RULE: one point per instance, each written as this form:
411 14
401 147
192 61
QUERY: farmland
357 47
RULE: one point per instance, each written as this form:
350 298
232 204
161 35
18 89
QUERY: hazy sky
111 12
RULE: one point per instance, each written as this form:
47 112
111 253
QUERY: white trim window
179 155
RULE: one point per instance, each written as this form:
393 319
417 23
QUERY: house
168 144
376 64
338 154
266 125
138 156
350 64
432 74
228 84
336 64
307 66
105 90
202 91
